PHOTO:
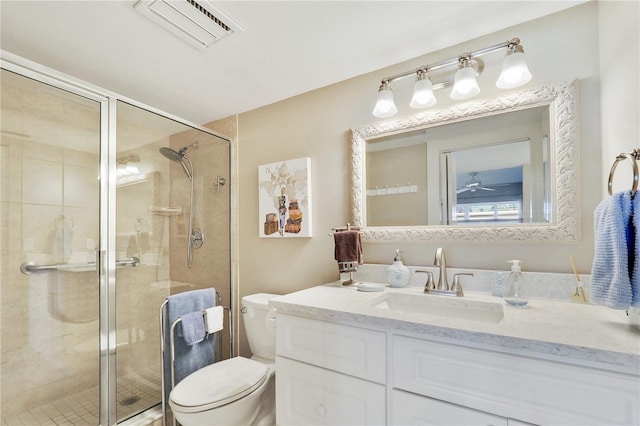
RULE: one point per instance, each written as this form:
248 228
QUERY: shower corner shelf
164 211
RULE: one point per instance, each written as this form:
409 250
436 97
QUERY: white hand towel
215 318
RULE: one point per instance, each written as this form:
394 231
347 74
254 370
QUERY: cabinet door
514 386
351 350
410 409
308 395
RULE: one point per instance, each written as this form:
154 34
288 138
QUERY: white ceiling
287 47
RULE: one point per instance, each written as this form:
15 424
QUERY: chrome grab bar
29 268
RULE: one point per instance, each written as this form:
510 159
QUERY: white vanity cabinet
480 381
329 374
345 358
336 374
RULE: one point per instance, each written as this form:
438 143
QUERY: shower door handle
29 268
102 267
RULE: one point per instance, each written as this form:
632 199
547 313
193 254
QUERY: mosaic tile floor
135 393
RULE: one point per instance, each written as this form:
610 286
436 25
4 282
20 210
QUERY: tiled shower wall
49 320
211 264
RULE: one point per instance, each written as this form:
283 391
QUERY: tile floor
135 393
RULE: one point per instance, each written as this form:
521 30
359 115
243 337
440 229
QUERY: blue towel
611 273
192 328
188 358
634 254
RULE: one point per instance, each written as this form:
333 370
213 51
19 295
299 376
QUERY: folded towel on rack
192 328
187 358
214 319
611 273
348 249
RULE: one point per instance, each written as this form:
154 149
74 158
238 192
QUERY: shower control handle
197 238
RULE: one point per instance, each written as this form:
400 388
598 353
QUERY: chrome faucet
440 261
443 288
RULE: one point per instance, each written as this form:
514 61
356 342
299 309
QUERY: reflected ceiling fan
473 185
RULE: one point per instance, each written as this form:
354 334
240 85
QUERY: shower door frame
106 267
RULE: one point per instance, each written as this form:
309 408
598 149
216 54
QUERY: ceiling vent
199 23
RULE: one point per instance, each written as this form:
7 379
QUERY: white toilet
236 391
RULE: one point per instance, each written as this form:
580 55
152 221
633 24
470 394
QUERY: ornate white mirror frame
565 226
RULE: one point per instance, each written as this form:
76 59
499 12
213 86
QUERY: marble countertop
571 332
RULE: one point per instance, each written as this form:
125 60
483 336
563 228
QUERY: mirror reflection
487 170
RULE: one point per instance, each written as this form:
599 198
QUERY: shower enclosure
95 226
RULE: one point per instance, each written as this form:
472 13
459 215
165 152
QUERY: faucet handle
428 285
456 286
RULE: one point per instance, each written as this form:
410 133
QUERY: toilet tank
259 323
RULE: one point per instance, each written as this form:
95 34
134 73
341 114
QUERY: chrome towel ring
634 157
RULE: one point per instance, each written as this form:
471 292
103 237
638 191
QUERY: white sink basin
440 306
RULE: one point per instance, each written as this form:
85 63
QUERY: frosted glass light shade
385 106
465 85
515 72
423 96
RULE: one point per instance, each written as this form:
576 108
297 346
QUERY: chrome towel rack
634 157
170 358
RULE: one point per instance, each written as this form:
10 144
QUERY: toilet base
267 414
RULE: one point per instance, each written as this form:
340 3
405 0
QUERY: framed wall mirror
499 169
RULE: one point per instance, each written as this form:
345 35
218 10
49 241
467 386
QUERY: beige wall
560 47
619 24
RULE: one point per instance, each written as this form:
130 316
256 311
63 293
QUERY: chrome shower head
177 155
180 156
171 154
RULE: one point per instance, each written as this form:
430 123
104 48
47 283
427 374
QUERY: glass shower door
153 210
94 226
49 234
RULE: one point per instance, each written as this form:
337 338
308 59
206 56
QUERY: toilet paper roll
214 319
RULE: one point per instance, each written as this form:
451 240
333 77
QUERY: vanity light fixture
423 96
385 106
465 85
515 73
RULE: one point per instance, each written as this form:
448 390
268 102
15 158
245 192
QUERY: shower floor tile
135 393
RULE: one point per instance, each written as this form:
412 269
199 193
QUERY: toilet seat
218 384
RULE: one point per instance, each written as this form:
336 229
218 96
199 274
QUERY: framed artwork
284 199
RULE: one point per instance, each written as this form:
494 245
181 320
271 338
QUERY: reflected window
504 212
500 182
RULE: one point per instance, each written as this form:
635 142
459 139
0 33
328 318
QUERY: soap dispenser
516 292
397 274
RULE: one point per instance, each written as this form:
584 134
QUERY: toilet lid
218 384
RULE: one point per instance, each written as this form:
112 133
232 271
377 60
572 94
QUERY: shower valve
220 181
197 238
